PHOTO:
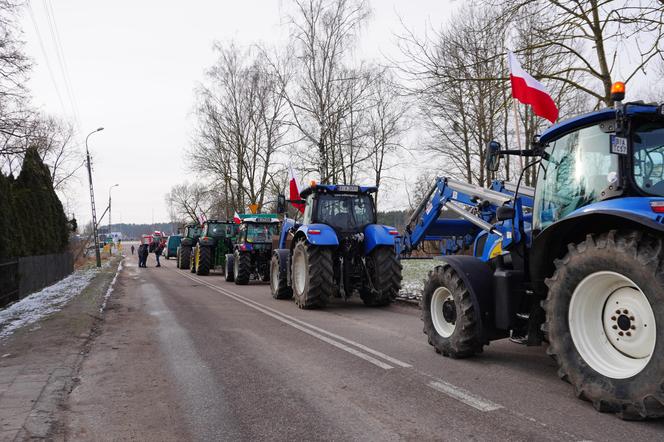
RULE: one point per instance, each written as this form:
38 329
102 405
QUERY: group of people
144 251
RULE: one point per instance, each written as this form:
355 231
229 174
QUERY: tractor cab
257 232
192 231
347 209
219 229
599 157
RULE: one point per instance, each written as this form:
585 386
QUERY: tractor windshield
345 212
579 168
220 229
648 154
261 232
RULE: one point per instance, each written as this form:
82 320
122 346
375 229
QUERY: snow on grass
40 304
415 272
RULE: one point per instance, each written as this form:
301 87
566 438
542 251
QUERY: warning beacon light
618 91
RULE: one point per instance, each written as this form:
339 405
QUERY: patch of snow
49 300
110 287
39 304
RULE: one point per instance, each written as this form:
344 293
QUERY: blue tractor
337 250
582 268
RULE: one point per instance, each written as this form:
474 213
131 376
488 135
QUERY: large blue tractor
337 250
583 269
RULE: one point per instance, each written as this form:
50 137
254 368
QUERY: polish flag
294 190
237 218
530 91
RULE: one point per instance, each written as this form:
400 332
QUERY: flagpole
518 132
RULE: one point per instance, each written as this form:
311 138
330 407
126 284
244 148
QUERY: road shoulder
39 361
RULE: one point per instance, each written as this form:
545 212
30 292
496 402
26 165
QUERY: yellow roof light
618 91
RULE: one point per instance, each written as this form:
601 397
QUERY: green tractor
215 242
252 252
189 240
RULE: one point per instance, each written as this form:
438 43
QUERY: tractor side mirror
504 213
281 204
492 156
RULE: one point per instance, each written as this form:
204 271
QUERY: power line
48 63
62 60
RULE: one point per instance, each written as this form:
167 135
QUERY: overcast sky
133 67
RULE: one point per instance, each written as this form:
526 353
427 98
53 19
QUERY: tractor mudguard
477 276
622 213
287 224
324 235
378 235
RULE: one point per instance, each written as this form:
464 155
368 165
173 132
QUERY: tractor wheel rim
441 301
274 275
299 272
612 324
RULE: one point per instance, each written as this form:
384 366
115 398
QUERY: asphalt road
187 357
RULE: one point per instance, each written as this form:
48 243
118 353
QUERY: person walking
143 255
132 249
159 248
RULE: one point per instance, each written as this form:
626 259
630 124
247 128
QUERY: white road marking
323 338
464 396
448 389
388 358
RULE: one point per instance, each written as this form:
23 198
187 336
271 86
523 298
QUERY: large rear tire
184 257
229 272
385 272
242 268
203 260
279 278
312 275
605 322
450 318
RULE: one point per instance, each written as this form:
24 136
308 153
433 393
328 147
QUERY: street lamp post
92 198
110 230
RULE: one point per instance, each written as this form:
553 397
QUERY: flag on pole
203 217
236 218
294 189
530 91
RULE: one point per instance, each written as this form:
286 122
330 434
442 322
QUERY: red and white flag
294 190
530 91
237 218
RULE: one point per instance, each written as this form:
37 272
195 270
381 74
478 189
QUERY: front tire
312 275
279 278
203 261
385 272
184 258
605 322
229 272
451 320
242 268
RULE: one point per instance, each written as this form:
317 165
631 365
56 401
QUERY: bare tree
325 91
187 202
593 35
241 126
386 125
456 76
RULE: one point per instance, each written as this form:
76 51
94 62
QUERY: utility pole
110 229
92 198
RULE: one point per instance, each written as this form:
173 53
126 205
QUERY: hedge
32 220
